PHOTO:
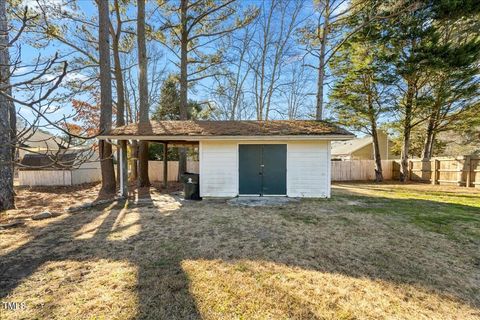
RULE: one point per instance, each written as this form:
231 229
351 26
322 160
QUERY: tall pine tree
362 86
407 36
453 84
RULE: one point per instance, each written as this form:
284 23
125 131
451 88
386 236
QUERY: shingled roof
230 128
61 161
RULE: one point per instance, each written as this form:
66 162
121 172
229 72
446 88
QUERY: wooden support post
165 165
474 171
434 171
468 167
123 164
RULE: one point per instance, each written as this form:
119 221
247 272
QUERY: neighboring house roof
40 139
202 129
64 159
350 146
60 161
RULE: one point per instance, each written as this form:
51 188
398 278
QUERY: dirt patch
30 201
34 200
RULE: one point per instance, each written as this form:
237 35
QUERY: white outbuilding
263 158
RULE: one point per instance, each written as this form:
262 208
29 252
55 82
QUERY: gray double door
263 169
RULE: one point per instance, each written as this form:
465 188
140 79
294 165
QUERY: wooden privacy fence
463 171
155 170
349 170
352 170
460 171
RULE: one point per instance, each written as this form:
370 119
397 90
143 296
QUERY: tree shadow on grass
412 187
450 219
157 236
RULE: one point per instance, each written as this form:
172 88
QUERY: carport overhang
186 141
188 132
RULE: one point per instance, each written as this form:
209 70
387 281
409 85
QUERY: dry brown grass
343 258
33 200
266 290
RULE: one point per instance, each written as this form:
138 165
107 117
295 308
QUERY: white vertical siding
218 169
308 169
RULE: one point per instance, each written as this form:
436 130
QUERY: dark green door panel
250 170
274 169
263 169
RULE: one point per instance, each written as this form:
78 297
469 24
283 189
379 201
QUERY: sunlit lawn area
370 252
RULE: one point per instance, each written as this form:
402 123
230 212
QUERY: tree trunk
404 156
134 157
407 127
321 79
427 151
7 195
184 62
105 149
13 131
118 77
321 64
427 145
376 155
143 180
123 165
182 154
432 144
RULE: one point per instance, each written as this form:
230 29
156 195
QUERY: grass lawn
370 252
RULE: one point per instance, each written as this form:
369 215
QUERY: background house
362 148
39 142
66 168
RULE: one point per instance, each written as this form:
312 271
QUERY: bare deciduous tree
194 27
27 92
325 34
143 180
105 148
273 47
7 196
230 90
296 90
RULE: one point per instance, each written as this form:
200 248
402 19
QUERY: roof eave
325 137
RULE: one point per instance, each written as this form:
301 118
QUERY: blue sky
88 8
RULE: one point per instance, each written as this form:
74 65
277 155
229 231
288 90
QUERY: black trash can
191 186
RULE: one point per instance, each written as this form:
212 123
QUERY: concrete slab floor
261 201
